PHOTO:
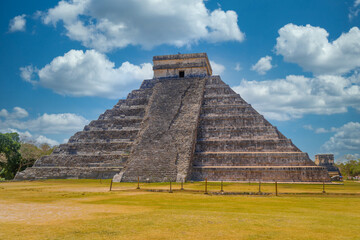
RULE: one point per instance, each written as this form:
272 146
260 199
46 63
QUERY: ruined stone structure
327 161
184 124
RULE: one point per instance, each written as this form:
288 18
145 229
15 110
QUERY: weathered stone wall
264 174
165 145
36 173
324 159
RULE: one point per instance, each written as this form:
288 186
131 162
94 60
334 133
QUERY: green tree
9 147
30 153
350 168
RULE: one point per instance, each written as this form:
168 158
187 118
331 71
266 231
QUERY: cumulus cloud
28 137
294 96
310 48
46 123
346 138
18 23
110 24
263 65
217 68
44 140
89 73
16 113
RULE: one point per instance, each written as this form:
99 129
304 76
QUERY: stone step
137 101
62 160
37 173
139 93
244 121
105 135
263 173
227 109
148 83
268 145
83 148
252 159
261 132
223 99
113 124
218 90
122 112
214 80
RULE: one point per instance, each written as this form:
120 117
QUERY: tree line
16 156
350 168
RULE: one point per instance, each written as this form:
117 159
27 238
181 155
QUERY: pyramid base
37 173
261 173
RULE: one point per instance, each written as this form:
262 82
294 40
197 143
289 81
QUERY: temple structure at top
184 124
182 65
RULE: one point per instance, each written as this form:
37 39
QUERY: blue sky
297 62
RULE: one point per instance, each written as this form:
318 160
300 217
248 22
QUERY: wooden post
259 186
276 189
182 185
206 192
138 187
111 185
323 187
170 188
222 188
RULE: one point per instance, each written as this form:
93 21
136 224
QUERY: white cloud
27 73
56 123
263 65
237 67
354 11
89 73
310 48
28 137
46 123
294 96
217 68
18 23
4 113
346 138
44 140
17 113
110 24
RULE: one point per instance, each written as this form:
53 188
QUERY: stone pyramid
184 124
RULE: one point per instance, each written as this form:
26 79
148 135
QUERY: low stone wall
252 159
94 160
37 173
265 174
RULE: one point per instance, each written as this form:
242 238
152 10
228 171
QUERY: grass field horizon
86 209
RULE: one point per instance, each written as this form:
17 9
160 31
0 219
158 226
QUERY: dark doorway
181 74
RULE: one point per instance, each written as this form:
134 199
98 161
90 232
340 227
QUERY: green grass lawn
85 209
